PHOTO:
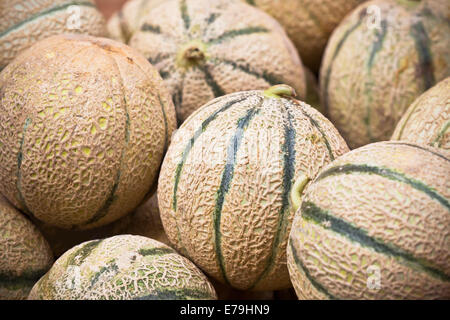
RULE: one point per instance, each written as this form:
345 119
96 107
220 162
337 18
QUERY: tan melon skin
24 253
123 267
250 215
365 103
271 52
389 211
95 131
144 221
124 23
21 24
308 23
427 120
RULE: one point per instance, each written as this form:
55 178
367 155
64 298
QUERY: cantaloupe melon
224 186
309 23
84 124
123 268
208 48
375 224
372 72
124 23
25 255
24 22
144 221
427 120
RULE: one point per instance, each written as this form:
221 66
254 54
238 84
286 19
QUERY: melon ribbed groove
159 58
211 82
311 212
439 137
386 173
83 252
47 12
185 15
111 197
319 128
155 251
422 42
175 294
19 167
319 287
419 147
213 17
236 33
225 182
288 149
166 128
146 27
338 48
111 266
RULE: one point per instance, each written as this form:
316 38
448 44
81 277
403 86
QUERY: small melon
224 186
427 120
383 56
123 267
375 224
24 22
25 255
208 48
124 23
84 124
309 23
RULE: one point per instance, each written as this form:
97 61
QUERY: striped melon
144 221
123 268
81 142
24 22
371 73
309 23
375 224
427 120
224 186
208 48
25 256
124 23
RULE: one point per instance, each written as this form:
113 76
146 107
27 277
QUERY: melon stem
280 90
191 54
297 190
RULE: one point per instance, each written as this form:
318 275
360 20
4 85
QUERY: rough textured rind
81 142
370 76
24 253
24 22
124 23
205 49
427 120
123 268
309 23
144 221
381 208
224 186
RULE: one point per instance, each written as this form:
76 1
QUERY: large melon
24 22
372 73
375 224
84 124
123 268
124 23
25 256
208 48
224 186
427 120
144 221
309 23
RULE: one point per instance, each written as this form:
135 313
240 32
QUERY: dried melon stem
297 190
280 90
191 54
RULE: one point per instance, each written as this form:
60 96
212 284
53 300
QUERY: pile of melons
185 150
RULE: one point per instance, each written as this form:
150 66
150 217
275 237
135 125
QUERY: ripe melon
375 224
224 186
208 48
84 124
24 22
427 120
123 268
370 76
124 23
309 23
25 255
144 221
